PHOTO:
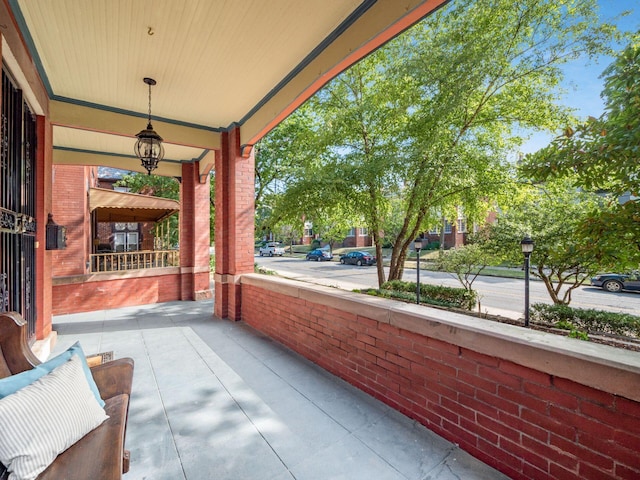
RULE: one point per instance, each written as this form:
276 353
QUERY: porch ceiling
218 63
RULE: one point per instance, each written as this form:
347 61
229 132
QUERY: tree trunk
377 241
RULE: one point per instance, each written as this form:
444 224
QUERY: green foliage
578 335
602 155
424 124
409 297
466 262
435 294
433 245
153 185
550 214
573 331
588 321
564 325
263 270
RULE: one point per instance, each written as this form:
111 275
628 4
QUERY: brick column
234 223
44 153
194 234
70 208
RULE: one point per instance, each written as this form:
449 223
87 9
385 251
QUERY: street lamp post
527 247
417 245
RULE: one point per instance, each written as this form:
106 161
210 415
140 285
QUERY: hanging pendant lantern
149 148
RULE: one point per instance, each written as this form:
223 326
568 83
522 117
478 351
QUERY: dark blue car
616 282
357 258
319 255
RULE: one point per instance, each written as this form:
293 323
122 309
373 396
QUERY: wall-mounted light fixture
56 235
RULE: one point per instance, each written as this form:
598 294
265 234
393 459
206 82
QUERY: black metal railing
18 140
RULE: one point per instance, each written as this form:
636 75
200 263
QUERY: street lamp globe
527 245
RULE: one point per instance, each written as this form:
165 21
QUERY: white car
271 248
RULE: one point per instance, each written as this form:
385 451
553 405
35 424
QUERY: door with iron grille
17 204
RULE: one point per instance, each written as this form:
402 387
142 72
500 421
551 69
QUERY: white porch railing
114 262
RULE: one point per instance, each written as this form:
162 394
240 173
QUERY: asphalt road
505 294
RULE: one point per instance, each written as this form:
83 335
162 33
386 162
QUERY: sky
582 81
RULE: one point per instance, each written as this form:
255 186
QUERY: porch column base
227 297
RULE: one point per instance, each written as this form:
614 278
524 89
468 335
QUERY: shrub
435 245
434 294
263 270
586 320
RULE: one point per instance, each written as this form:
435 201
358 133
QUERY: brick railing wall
531 404
101 291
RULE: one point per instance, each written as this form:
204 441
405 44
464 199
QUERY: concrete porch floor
213 399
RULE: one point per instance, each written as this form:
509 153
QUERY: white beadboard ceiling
217 63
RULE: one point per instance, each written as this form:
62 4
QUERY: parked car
319 255
357 258
271 248
616 282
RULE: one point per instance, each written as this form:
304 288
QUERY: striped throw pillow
43 419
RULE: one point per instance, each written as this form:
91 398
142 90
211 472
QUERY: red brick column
234 223
194 234
71 209
44 153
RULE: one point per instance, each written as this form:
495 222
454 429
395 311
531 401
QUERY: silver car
271 248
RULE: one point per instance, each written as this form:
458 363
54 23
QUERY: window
363 232
125 241
434 231
462 225
447 227
352 233
308 232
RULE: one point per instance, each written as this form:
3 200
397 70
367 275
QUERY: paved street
495 292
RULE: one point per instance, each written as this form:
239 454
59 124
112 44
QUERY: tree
427 121
550 214
602 155
278 159
154 185
466 262
482 69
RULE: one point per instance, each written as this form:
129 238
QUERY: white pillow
43 419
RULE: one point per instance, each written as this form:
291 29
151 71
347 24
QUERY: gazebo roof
113 206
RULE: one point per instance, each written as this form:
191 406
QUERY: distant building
455 235
357 237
